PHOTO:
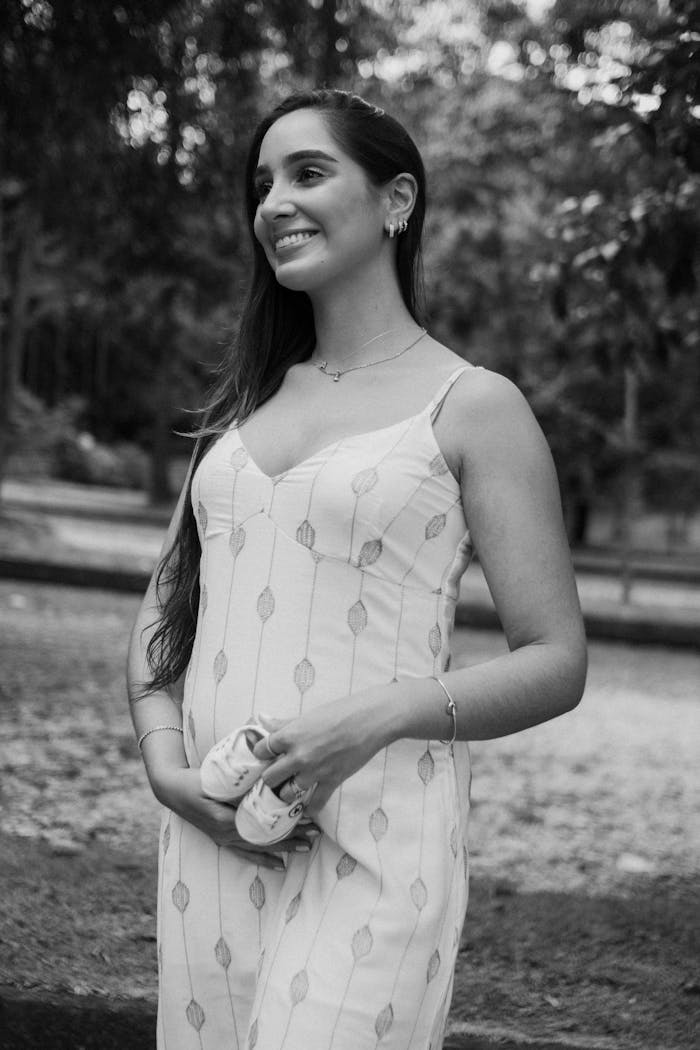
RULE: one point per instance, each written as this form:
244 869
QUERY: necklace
335 376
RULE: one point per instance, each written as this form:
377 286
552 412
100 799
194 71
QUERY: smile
292 239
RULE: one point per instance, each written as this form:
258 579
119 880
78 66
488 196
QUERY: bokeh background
563 152
562 144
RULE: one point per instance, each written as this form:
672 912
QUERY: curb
34 1018
636 626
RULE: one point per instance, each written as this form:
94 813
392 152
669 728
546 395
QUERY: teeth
292 238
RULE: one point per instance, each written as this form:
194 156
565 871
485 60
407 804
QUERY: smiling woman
347 468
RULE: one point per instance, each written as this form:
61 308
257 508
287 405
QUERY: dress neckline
331 446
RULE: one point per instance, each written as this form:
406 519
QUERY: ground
583 918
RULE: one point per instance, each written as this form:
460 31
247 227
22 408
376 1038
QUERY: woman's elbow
572 668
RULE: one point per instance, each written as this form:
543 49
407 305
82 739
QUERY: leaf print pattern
299 987
265 604
306 534
362 943
364 481
369 552
419 893
222 953
220 666
181 896
292 907
304 675
384 1021
332 579
195 1014
378 824
345 866
257 893
237 541
433 965
357 617
435 526
426 767
435 639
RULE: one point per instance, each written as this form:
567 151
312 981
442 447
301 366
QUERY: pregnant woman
347 467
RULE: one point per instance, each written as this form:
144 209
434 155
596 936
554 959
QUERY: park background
562 145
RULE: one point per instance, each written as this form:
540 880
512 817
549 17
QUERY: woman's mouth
293 240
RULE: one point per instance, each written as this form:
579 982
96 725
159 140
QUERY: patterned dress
338 575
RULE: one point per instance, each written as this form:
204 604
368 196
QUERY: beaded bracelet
156 729
451 710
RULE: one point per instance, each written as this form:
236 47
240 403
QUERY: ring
270 748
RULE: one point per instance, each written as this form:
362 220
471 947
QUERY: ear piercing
397 229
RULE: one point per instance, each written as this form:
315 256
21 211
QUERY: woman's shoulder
487 412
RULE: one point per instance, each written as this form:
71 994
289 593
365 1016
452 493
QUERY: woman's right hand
180 790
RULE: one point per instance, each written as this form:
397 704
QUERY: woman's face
318 218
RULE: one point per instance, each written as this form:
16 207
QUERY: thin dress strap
436 402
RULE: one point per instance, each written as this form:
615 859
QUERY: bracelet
156 729
451 710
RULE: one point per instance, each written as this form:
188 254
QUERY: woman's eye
309 174
261 190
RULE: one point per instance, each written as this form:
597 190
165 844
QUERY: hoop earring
392 231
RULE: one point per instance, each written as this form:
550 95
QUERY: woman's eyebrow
302 154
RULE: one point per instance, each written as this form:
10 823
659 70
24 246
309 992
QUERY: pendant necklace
335 375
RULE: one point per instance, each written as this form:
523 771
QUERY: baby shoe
230 768
263 818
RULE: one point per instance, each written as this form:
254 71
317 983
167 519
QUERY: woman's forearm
502 696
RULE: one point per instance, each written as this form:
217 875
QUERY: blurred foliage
562 244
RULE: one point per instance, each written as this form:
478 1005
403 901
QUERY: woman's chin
296 278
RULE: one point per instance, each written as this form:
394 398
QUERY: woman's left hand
327 745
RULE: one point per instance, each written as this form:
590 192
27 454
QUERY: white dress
338 575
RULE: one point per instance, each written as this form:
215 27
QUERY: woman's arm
174 784
511 502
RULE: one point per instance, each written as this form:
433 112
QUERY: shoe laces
262 815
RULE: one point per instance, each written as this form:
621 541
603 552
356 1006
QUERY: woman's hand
329 744
180 790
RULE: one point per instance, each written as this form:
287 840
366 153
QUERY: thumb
269 723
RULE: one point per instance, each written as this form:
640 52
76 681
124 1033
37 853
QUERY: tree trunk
630 481
11 348
159 481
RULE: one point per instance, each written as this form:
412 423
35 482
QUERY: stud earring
392 230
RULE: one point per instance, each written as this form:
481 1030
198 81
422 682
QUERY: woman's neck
346 319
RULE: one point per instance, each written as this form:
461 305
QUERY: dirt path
584 911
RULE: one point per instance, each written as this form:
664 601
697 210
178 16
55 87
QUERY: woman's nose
276 203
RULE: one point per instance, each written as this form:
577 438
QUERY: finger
270 723
262 860
267 748
279 771
320 798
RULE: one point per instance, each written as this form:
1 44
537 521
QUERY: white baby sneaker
263 818
230 768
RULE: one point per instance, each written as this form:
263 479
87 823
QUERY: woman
348 466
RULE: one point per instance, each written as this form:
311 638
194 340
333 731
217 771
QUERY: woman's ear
401 193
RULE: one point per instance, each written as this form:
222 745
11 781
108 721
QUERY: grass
584 909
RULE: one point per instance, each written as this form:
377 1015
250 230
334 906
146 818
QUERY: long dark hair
276 331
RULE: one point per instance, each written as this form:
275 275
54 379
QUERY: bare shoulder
489 419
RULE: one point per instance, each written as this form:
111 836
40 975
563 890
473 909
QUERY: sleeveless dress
336 576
